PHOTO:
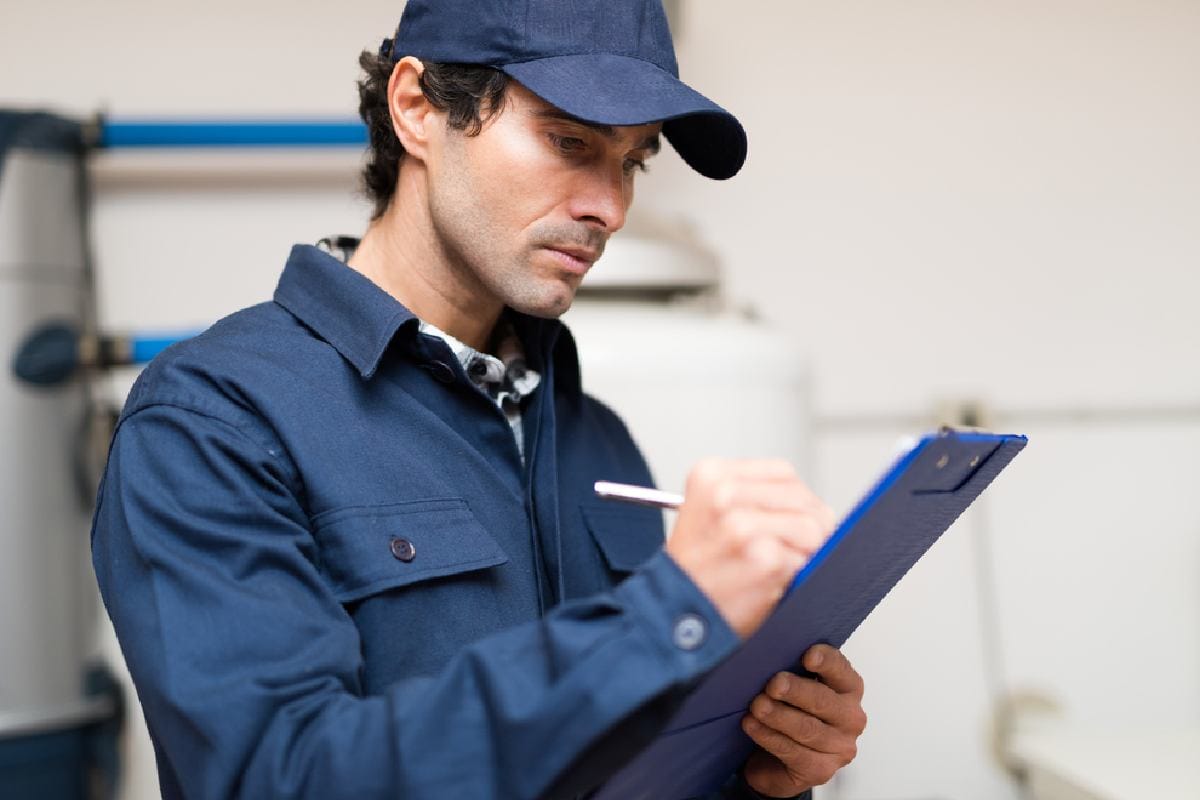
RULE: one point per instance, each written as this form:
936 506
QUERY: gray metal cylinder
47 595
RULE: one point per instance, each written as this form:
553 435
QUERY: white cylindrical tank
47 592
689 378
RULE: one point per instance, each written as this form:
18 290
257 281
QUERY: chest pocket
369 549
625 535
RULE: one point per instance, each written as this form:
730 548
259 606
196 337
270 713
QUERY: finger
796 531
813 697
710 472
766 469
801 727
811 767
828 519
834 670
790 495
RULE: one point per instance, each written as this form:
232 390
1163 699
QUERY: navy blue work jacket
332 576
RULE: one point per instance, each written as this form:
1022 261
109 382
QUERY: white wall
937 171
944 200
992 200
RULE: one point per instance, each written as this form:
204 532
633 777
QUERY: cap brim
618 90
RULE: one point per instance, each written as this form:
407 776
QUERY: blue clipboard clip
927 488
944 462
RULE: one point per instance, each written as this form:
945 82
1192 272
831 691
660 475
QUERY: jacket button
690 632
442 371
403 550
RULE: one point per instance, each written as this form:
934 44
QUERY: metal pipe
217 133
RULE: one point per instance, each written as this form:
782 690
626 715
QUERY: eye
566 144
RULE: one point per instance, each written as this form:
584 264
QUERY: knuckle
834 661
818 704
781 466
787 564
741 526
813 699
857 687
817 532
807 728
762 555
828 517
724 497
762 708
705 473
787 750
807 537
782 565
860 722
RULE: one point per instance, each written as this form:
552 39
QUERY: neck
402 253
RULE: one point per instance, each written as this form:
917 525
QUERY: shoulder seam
277 452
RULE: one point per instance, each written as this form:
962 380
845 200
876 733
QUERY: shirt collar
343 306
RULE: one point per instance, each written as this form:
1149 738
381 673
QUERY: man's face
524 208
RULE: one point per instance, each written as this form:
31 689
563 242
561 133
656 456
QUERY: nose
602 197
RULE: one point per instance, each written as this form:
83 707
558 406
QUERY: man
347 537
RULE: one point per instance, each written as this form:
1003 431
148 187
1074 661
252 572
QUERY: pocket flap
368 549
626 535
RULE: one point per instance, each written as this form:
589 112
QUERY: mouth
574 259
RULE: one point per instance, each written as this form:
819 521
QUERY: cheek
517 175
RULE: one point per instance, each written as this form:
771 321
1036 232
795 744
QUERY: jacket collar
360 320
343 306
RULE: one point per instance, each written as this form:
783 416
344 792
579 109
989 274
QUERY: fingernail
814 661
781 685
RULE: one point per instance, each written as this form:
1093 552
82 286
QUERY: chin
548 306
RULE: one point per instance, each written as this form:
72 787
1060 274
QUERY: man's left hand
807 729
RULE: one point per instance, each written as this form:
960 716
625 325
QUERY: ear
414 119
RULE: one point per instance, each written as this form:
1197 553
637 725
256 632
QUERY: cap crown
500 32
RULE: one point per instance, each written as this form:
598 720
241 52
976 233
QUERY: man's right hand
744 529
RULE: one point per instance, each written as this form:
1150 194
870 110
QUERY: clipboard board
924 492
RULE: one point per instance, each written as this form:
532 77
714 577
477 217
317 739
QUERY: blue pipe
143 349
53 351
233 133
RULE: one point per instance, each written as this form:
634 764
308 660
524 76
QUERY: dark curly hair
471 94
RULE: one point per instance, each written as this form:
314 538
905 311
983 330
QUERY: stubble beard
499 264
486 258
477 254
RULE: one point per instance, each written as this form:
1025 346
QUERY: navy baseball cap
611 62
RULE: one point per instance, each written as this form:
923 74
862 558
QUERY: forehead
528 105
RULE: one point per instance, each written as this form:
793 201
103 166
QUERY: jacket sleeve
248 669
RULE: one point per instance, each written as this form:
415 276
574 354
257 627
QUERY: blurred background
953 212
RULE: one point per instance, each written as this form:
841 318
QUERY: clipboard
924 492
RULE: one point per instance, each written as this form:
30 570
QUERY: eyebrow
651 142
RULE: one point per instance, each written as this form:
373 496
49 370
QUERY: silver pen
639 495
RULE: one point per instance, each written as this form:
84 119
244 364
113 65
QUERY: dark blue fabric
604 61
282 643
501 32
